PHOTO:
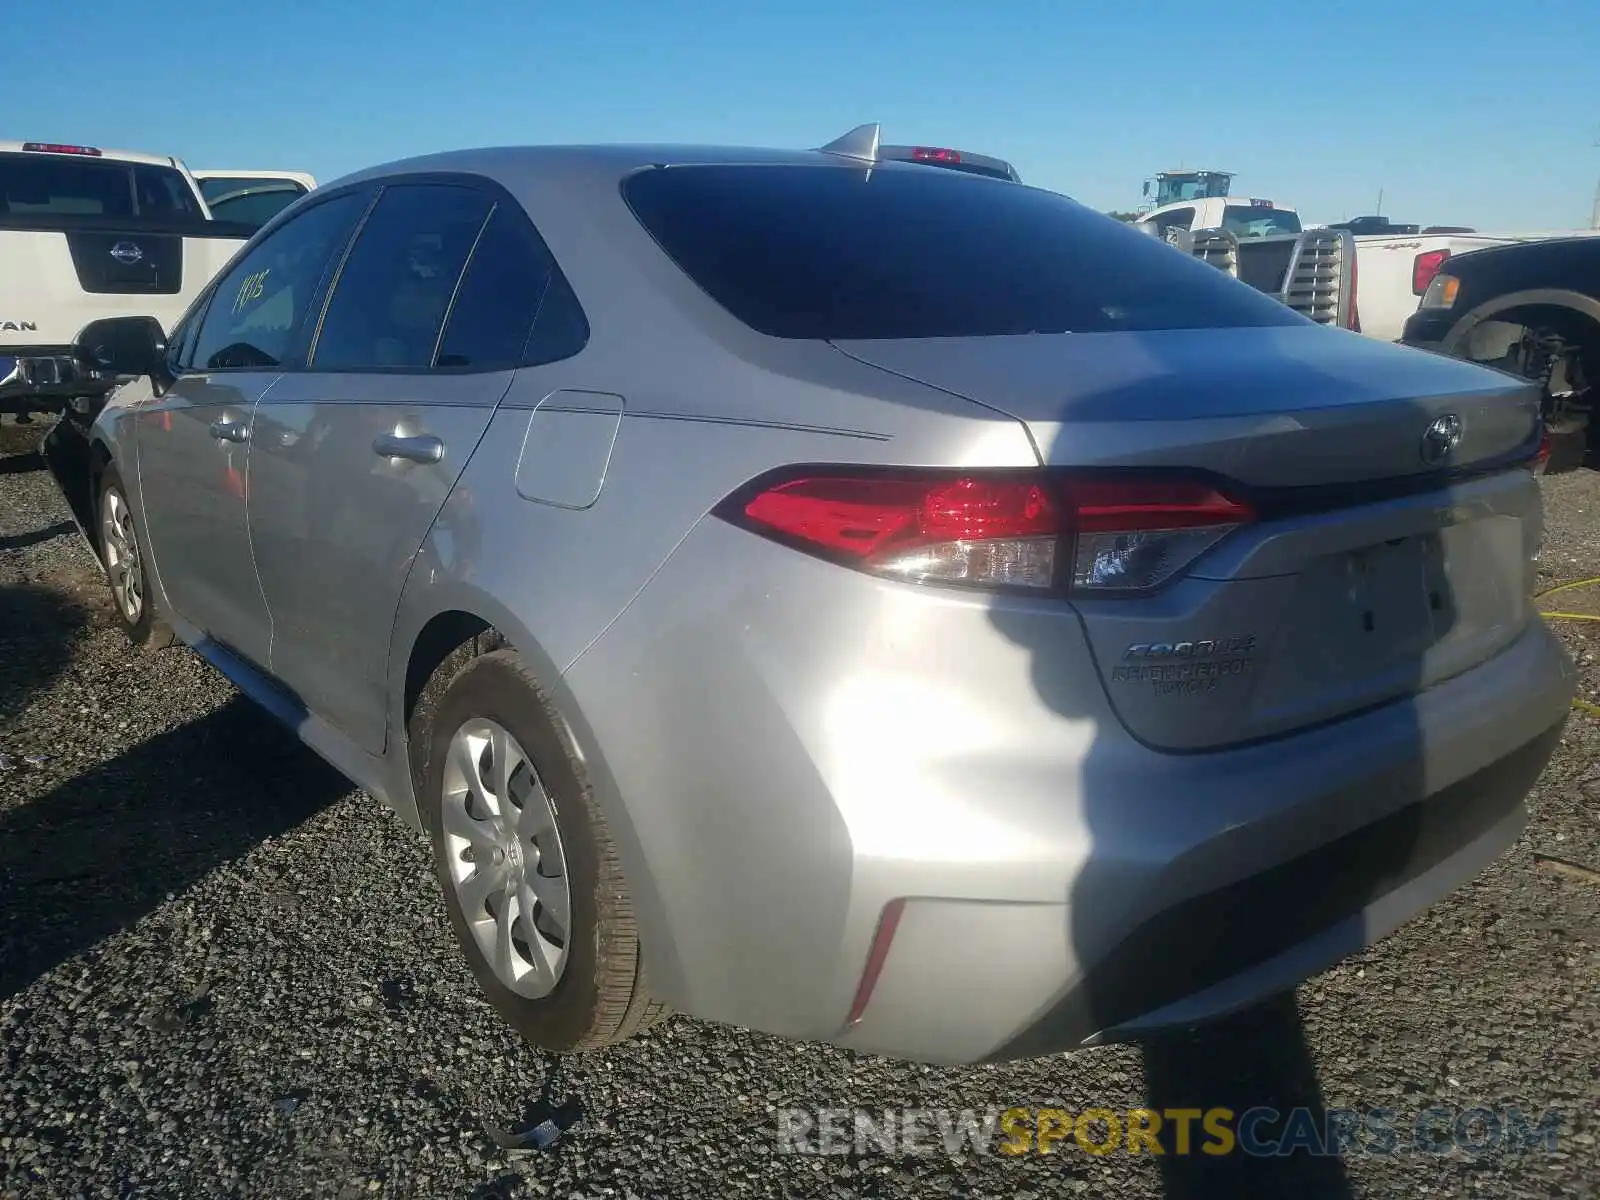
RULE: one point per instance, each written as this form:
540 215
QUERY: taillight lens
1542 459
60 148
1033 530
1353 323
1442 292
1424 267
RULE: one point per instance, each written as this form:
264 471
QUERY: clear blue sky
1471 112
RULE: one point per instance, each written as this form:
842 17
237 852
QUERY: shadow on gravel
21 464
105 848
1255 1059
37 629
21 541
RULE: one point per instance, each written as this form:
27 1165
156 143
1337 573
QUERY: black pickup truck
1533 309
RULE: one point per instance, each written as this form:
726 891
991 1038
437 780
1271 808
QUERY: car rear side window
394 290
259 311
511 280
825 252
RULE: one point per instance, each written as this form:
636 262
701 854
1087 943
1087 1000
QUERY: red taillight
1354 322
1424 267
935 154
58 148
877 955
1026 529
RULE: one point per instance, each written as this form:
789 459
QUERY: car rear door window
395 288
511 280
260 309
827 252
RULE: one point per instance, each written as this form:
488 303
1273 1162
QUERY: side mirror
124 346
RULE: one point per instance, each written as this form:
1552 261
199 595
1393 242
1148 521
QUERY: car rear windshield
45 186
825 252
1251 220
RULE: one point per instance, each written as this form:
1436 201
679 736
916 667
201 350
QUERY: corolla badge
127 253
1440 439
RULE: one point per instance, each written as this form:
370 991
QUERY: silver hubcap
122 555
505 858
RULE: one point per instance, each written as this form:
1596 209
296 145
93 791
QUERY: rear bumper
1426 328
777 781
42 379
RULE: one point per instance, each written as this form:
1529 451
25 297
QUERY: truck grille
1311 272
1317 283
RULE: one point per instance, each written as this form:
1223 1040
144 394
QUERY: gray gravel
224 972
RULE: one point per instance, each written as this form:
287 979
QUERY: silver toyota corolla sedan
842 597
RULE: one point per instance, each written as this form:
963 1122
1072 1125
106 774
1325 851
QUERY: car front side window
260 309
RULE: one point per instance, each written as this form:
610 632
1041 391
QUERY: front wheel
532 884
123 557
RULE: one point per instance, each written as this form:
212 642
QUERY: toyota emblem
127 253
1440 439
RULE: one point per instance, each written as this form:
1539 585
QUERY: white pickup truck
1390 272
87 233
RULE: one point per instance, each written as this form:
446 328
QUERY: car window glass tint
180 344
259 309
395 288
499 296
824 252
561 329
255 207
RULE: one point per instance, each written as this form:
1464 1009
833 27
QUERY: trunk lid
1267 407
1373 572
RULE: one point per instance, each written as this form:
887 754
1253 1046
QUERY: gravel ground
224 972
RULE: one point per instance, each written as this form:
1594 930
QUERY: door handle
423 448
230 431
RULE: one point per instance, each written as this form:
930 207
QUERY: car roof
587 162
103 155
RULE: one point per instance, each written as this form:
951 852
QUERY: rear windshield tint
1251 220
824 252
47 185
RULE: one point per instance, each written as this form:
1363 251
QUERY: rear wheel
532 884
1558 349
122 554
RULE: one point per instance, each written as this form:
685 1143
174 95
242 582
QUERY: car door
417 346
194 439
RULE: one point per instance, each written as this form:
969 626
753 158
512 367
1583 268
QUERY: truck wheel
122 554
532 884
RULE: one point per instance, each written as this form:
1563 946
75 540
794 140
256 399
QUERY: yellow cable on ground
1583 706
1566 587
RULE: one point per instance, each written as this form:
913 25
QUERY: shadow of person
106 847
1249 820
1254 1060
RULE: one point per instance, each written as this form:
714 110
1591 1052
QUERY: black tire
148 631
601 998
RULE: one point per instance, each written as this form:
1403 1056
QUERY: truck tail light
1353 323
1424 267
1542 459
1034 530
59 148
